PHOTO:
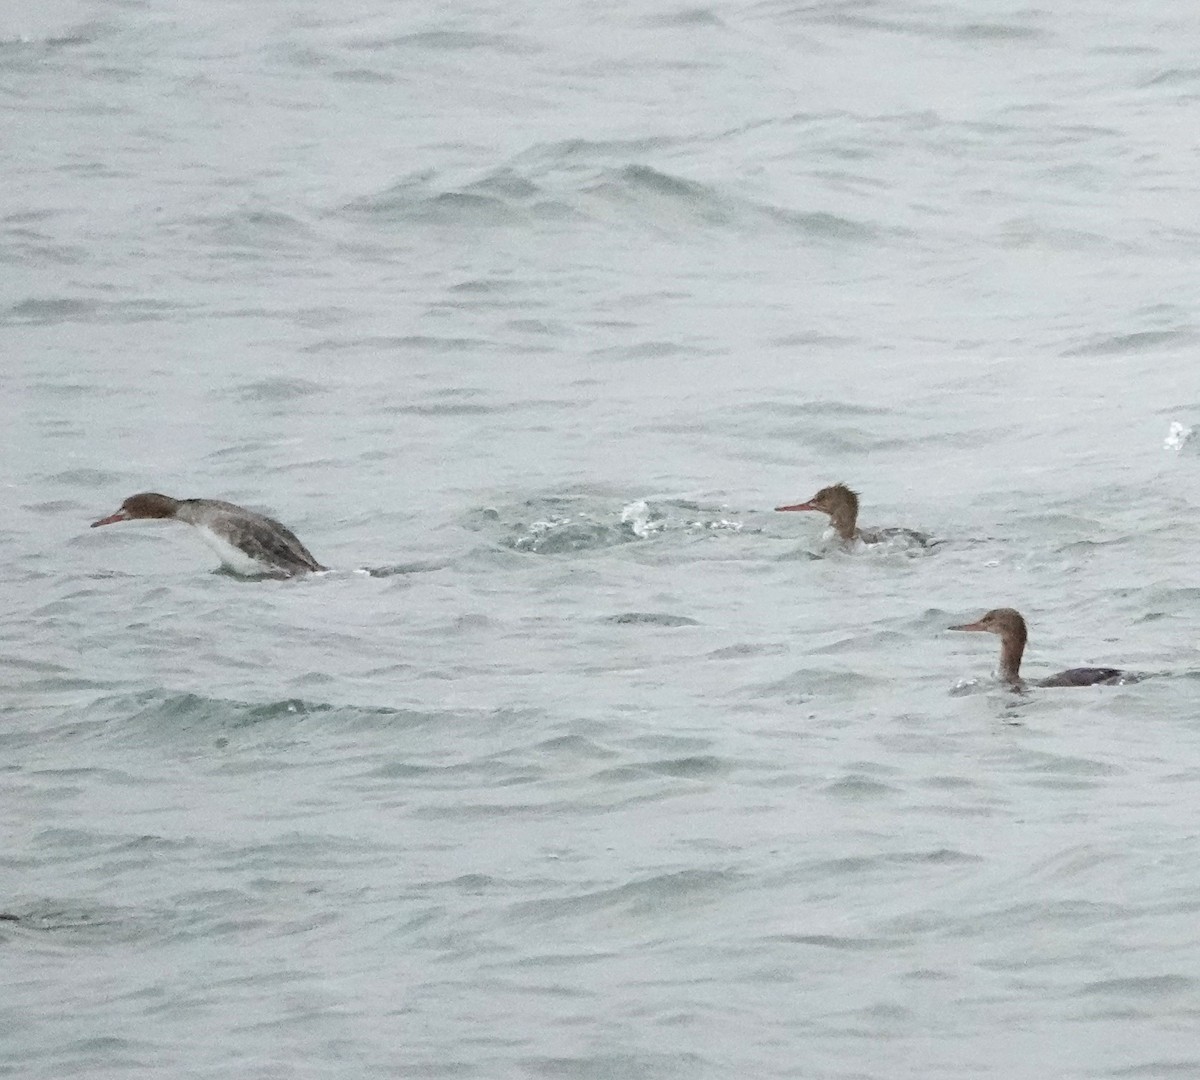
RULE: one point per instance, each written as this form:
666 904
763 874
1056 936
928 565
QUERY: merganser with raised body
841 504
249 544
1009 626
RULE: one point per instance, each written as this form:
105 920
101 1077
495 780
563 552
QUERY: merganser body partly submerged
1009 626
841 504
249 544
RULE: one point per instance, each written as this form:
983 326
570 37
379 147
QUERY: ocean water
606 770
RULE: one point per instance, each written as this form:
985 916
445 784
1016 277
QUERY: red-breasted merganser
841 504
249 544
1009 626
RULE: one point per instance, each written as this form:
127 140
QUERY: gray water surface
606 770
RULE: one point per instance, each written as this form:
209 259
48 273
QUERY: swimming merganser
1009 626
249 544
841 504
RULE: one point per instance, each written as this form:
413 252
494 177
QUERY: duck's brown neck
843 517
1012 646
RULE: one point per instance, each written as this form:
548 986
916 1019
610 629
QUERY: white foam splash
1177 436
539 532
642 521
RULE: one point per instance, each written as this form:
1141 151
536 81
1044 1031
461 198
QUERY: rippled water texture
604 770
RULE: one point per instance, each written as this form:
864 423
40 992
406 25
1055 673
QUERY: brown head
1009 626
149 504
839 502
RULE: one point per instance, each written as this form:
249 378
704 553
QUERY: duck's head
148 504
835 500
1005 622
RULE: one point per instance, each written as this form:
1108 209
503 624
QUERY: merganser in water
249 544
1009 626
841 504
